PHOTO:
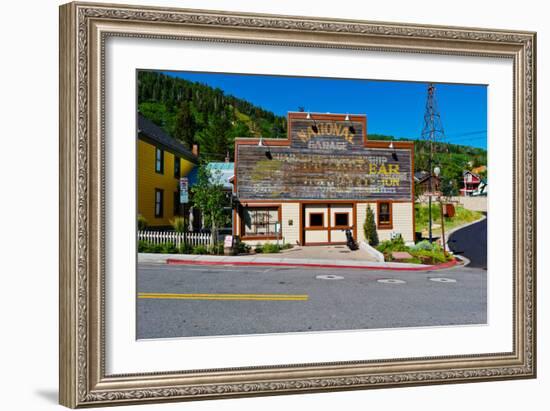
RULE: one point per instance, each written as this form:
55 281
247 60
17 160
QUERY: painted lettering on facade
301 174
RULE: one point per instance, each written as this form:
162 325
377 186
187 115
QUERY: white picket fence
178 239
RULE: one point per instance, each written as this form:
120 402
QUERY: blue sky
392 107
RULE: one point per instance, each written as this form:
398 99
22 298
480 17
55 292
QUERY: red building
470 183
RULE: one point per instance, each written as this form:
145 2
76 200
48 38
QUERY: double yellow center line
236 297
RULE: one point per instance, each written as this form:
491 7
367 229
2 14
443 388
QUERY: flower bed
423 252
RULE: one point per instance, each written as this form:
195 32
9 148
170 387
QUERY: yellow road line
250 297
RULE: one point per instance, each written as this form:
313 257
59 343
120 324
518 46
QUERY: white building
319 181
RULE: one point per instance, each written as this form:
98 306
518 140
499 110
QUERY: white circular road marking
329 277
391 281
443 280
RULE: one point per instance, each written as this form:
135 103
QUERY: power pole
431 132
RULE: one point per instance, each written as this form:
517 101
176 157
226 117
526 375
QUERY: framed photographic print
260 204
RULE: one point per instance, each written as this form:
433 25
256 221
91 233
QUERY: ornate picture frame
84 29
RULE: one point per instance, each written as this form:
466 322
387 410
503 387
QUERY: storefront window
260 221
341 219
316 220
384 214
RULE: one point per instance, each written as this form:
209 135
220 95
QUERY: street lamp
350 127
268 151
435 172
314 126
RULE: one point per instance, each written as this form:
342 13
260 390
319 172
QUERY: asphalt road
183 301
471 242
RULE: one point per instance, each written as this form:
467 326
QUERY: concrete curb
449 264
465 261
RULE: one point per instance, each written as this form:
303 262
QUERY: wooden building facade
161 162
320 181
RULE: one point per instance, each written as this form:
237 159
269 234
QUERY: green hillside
197 113
452 159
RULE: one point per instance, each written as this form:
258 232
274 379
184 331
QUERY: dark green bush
179 224
244 248
270 248
200 249
395 244
185 249
216 249
142 223
168 248
148 247
436 256
369 228
143 246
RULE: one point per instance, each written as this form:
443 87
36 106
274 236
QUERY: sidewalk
261 260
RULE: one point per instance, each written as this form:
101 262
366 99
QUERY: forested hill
452 159
196 113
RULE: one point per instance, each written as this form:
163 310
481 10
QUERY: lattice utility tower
431 132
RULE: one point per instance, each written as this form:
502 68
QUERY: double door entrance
326 223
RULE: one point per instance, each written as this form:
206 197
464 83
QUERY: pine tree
371 235
185 126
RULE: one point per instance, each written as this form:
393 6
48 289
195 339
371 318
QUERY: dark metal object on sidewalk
350 241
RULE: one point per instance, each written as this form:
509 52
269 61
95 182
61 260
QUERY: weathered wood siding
311 174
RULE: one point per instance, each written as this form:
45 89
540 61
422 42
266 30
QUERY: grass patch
462 216
271 248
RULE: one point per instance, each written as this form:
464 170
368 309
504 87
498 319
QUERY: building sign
228 241
312 173
330 135
184 190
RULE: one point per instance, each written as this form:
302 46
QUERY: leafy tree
369 227
209 197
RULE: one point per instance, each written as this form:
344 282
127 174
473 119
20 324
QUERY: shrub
143 246
168 248
216 249
200 249
395 244
243 248
286 246
258 248
185 249
148 247
142 223
178 223
436 256
270 248
423 245
155 248
369 228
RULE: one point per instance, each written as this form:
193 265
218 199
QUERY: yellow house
161 162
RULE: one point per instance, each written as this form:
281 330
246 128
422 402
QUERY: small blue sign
184 190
